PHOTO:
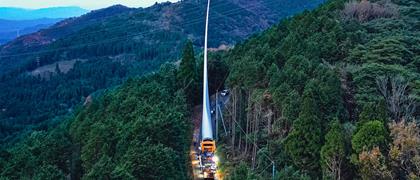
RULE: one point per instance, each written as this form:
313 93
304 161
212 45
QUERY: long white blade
206 126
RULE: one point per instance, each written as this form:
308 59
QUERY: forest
331 93
328 94
140 130
111 45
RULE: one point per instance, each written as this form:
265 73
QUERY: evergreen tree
304 142
371 134
187 73
333 153
242 172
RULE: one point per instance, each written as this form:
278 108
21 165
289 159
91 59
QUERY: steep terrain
327 94
37 41
110 45
137 29
148 140
11 29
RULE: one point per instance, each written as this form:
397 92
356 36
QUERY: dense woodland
327 94
332 94
110 46
140 130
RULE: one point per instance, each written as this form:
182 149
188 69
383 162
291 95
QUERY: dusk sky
87 4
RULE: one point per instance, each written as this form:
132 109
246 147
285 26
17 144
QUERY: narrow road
195 164
196 120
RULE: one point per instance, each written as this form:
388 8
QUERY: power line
246 136
194 21
122 26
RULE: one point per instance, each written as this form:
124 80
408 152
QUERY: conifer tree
333 153
304 142
187 74
188 68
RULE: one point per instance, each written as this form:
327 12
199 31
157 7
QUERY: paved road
196 119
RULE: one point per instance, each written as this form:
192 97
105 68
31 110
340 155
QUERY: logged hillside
46 74
21 50
11 29
332 94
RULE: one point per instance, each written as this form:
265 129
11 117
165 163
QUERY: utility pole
221 116
217 118
274 170
38 62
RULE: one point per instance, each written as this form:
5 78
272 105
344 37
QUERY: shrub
365 11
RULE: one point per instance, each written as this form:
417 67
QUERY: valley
309 89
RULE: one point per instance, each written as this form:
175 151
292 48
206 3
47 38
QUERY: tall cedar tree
187 74
304 142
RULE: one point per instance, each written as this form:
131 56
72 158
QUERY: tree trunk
248 118
233 131
270 119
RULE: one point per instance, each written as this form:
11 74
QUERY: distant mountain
35 41
11 13
171 23
56 68
11 29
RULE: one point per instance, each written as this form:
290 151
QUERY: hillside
110 45
331 93
11 13
136 29
39 40
11 29
101 142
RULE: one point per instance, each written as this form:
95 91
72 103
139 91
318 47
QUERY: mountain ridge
113 45
161 17
11 29
15 13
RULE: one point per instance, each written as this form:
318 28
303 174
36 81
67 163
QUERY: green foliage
187 74
190 74
291 173
296 72
119 127
371 134
37 101
342 59
40 156
242 172
114 44
366 75
304 142
386 50
330 95
374 111
333 153
291 106
158 161
139 130
306 71
49 173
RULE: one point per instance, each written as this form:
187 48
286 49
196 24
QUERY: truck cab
208 146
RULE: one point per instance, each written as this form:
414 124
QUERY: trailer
207 158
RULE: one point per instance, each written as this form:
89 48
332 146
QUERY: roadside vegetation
331 93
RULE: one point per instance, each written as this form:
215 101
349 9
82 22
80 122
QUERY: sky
87 4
